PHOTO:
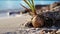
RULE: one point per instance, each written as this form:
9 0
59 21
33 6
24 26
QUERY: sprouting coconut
38 20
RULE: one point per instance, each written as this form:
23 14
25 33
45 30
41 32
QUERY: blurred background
14 5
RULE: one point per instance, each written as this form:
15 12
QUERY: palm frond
33 3
30 3
23 6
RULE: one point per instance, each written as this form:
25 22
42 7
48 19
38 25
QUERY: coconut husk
38 21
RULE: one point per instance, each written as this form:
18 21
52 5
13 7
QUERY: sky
35 0
15 4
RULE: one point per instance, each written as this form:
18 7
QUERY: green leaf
30 3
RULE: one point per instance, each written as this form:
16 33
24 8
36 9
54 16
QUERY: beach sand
15 25
11 24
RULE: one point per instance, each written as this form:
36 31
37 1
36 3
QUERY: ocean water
5 6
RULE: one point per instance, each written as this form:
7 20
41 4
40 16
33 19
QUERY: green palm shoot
31 5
